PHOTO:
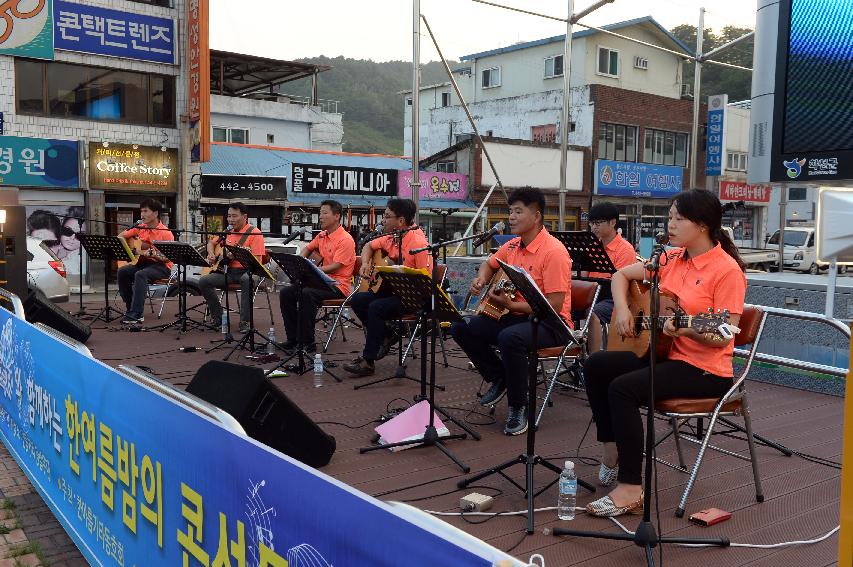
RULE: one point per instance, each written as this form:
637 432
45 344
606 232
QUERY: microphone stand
646 536
227 338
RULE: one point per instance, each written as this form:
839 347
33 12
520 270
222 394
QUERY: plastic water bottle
224 323
271 339
568 493
345 316
318 371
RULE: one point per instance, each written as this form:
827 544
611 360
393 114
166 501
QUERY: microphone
376 233
486 236
296 232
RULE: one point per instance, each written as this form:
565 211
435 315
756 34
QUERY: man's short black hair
239 206
603 211
335 206
528 196
152 205
405 208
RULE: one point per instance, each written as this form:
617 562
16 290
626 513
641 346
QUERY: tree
717 79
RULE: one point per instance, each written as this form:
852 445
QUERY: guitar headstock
709 321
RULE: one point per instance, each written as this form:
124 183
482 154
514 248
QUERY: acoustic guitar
372 282
639 303
219 256
149 255
500 283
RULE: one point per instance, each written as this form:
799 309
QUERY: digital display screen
819 78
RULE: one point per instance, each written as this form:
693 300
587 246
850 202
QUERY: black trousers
513 335
617 385
310 300
374 310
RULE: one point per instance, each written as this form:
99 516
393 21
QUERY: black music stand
106 248
587 251
303 273
542 313
183 255
255 268
417 289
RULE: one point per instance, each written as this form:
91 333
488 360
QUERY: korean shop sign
133 167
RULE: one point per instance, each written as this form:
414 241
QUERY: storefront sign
736 191
434 185
624 179
243 187
90 29
198 63
37 162
340 180
26 28
715 145
128 167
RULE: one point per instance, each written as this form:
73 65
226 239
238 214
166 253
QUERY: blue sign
626 179
38 162
137 478
715 145
90 29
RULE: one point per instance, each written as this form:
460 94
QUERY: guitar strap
246 235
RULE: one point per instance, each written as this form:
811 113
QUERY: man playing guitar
704 272
337 253
133 279
548 263
241 234
374 309
602 223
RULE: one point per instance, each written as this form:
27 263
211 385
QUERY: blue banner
136 478
38 162
626 179
715 145
90 29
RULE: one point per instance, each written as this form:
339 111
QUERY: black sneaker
516 420
360 367
310 348
244 327
129 319
494 394
386 347
288 347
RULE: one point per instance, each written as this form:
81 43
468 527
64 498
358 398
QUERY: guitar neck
681 321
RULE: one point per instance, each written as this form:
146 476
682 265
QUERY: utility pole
564 114
697 101
416 105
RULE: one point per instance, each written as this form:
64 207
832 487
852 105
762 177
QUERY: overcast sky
381 30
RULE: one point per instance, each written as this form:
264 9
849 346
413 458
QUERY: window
270 138
554 66
617 142
220 134
665 148
232 135
65 90
445 99
608 62
446 166
641 63
408 101
546 133
736 161
491 77
797 193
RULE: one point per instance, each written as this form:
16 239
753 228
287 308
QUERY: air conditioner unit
686 90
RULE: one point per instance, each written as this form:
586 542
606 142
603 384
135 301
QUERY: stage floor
802 497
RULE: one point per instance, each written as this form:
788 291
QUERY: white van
801 250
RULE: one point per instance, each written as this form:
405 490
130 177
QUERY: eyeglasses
66 231
391 216
597 223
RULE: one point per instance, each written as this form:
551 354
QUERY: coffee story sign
133 168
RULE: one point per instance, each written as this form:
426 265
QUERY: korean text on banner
626 179
198 62
151 482
715 146
38 162
434 185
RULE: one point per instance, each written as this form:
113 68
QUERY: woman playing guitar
703 272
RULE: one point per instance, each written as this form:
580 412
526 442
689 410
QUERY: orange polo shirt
412 239
254 242
336 247
621 253
148 235
714 280
548 263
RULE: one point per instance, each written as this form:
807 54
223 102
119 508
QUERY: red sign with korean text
198 99
736 191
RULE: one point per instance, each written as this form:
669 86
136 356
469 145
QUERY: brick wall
620 106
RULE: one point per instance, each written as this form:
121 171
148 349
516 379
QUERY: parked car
801 250
46 271
756 258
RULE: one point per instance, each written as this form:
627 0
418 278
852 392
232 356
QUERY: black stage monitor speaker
39 309
263 410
